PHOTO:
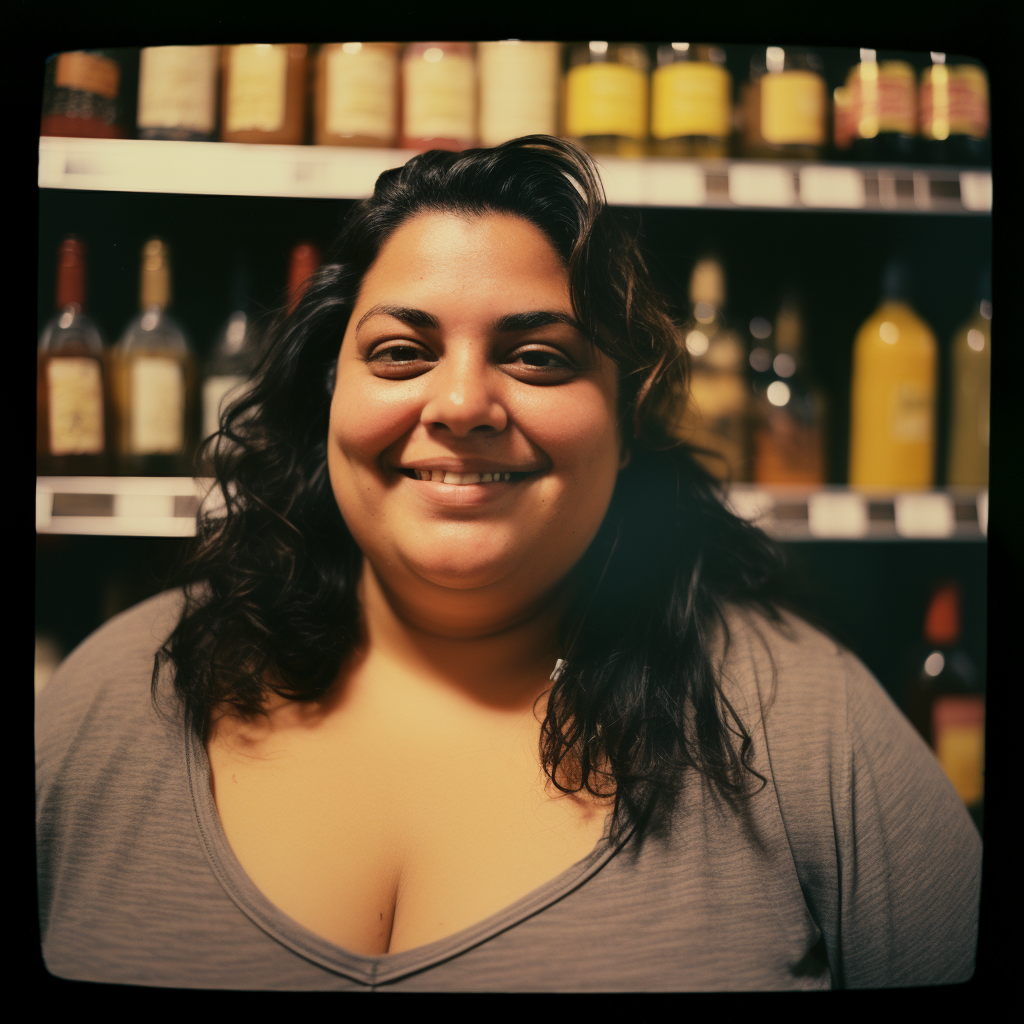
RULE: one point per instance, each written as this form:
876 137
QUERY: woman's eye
543 359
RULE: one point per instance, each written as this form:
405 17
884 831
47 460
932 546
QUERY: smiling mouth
440 476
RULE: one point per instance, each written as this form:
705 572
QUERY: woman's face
473 440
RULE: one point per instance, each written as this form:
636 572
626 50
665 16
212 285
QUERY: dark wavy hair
270 579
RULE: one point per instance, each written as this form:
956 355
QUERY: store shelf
167 506
234 169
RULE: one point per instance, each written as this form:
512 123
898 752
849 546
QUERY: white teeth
485 478
437 475
440 476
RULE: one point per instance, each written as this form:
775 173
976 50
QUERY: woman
476 683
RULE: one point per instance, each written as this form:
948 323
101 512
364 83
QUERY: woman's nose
463 397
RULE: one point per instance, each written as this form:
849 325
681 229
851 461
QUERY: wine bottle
178 93
263 98
81 95
954 109
72 410
892 409
691 101
716 419
519 86
155 380
883 114
356 98
439 91
970 390
302 264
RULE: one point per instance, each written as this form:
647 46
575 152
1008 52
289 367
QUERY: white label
361 93
976 190
178 87
761 185
257 82
982 505
157 406
440 98
216 392
835 187
924 515
518 90
76 406
675 184
837 514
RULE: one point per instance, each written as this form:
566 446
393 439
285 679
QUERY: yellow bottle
970 389
892 406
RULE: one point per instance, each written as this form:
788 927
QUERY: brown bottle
72 411
302 264
263 96
356 95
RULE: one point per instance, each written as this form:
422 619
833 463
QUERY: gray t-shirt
855 866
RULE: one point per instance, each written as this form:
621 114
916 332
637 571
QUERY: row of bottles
761 418
138 408
630 99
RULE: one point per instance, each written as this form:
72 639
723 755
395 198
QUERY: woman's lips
442 476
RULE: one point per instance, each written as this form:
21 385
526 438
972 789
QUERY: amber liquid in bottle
356 95
439 96
691 102
81 96
263 93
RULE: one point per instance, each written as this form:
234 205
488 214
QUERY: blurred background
819 218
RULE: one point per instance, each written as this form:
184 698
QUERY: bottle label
361 94
178 87
157 406
257 83
958 732
440 98
883 98
691 98
518 90
793 108
218 391
606 99
88 72
954 101
75 394
844 127
911 412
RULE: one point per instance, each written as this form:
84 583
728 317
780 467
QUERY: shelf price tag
676 184
976 190
983 513
44 508
749 504
924 515
761 185
623 181
833 187
837 514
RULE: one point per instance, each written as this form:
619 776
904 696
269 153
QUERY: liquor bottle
519 86
970 390
263 98
954 109
788 432
72 410
883 108
783 106
356 95
892 409
606 97
945 697
178 93
155 380
302 264
716 419
81 95
438 96
691 101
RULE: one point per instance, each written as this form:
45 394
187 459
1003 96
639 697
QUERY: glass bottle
970 391
883 108
691 101
155 380
892 407
519 86
263 98
783 106
178 93
788 432
82 95
954 108
606 97
356 95
716 417
72 410
439 91
302 264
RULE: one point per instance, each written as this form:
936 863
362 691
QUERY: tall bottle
178 93
155 380
606 97
783 106
883 108
691 101
263 98
72 410
945 697
82 95
892 407
970 390
717 416
788 432
439 92
356 95
519 86
302 264
954 106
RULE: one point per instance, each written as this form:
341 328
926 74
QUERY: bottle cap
304 261
71 273
942 620
707 283
156 275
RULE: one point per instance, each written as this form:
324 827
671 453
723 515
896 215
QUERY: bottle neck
71 275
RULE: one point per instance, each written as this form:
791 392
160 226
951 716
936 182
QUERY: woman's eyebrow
412 317
514 322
